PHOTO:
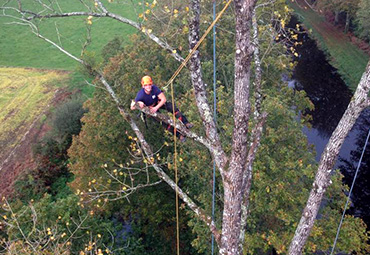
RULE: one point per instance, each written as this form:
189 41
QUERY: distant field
20 48
24 96
343 55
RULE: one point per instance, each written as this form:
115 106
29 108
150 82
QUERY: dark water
331 96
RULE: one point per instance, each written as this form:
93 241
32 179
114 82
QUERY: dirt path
347 57
20 159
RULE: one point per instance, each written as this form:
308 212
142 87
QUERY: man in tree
151 96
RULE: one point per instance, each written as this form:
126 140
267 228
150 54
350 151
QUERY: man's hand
153 109
132 106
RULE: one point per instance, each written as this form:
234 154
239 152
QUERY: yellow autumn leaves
89 20
174 12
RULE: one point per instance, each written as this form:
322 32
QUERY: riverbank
347 58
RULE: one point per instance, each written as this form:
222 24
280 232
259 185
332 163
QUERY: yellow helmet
146 80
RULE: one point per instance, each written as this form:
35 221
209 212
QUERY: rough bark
233 197
260 119
247 176
322 179
200 91
258 73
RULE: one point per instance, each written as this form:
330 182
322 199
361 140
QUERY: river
330 95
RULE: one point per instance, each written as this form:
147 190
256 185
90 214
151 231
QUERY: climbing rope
350 192
183 64
170 82
176 177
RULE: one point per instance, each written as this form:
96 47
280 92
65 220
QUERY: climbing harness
350 192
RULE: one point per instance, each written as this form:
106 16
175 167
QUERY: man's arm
132 107
161 101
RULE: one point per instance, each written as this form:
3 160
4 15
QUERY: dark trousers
168 107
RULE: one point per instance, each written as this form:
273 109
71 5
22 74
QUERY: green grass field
25 94
20 48
343 55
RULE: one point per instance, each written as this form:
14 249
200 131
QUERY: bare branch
265 4
58 47
322 181
258 70
148 152
179 126
119 194
31 16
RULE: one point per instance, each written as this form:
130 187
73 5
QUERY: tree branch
258 70
148 152
247 176
367 103
358 103
201 94
105 14
179 126
146 148
198 211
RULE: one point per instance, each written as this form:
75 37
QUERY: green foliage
104 154
106 144
50 225
66 120
27 188
284 156
78 82
353 235
51 173
103 137
343 55
112 48
363 19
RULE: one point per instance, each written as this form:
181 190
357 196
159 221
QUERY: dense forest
107 177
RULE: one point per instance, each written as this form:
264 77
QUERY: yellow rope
183 64
170 82
176 178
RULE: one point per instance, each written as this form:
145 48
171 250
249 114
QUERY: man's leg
168 107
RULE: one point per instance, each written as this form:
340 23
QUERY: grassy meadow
343 55
24 96
21 48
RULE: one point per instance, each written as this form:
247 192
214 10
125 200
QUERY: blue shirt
151 99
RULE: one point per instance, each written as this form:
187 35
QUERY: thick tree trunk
322 180
233 197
